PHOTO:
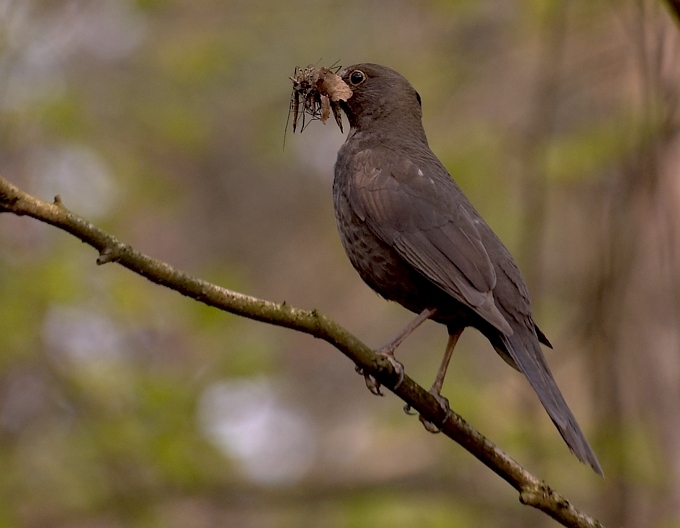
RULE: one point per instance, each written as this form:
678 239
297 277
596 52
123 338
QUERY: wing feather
418 215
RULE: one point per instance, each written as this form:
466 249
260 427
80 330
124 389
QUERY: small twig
532 491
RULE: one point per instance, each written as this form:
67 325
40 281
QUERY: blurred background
123 404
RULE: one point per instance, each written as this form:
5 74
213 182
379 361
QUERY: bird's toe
396 366
372 384
444 404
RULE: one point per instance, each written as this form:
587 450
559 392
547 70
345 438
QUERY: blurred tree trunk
631 307
533 151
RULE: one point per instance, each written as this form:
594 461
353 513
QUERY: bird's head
380 97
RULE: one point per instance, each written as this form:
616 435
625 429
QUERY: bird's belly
381 267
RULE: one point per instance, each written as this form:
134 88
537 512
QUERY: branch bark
532 491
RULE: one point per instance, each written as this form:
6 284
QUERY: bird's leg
450 345
389 348
387 351
436 388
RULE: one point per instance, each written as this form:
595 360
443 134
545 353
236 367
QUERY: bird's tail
524 349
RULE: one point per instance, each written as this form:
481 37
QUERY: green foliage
381 509
591 151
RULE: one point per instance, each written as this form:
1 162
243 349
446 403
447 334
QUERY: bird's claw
444 404
398 367
407 410
373 384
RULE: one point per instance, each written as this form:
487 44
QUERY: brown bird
415 239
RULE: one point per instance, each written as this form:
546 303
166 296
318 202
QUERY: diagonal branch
532 491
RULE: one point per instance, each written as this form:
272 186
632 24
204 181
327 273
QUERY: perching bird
415 239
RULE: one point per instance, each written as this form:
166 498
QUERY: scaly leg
387 351
436 389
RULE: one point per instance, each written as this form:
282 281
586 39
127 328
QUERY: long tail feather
523 347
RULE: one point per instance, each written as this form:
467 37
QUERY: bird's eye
357 77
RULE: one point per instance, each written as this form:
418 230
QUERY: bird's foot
398 367
407 410
373 384
444 404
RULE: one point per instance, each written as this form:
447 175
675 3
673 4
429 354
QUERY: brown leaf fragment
336 114
325 108
317 92
330 84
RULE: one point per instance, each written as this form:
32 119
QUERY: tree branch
532 491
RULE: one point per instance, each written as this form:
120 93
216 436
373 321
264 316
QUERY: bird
415 239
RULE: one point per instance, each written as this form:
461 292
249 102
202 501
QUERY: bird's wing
421 217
